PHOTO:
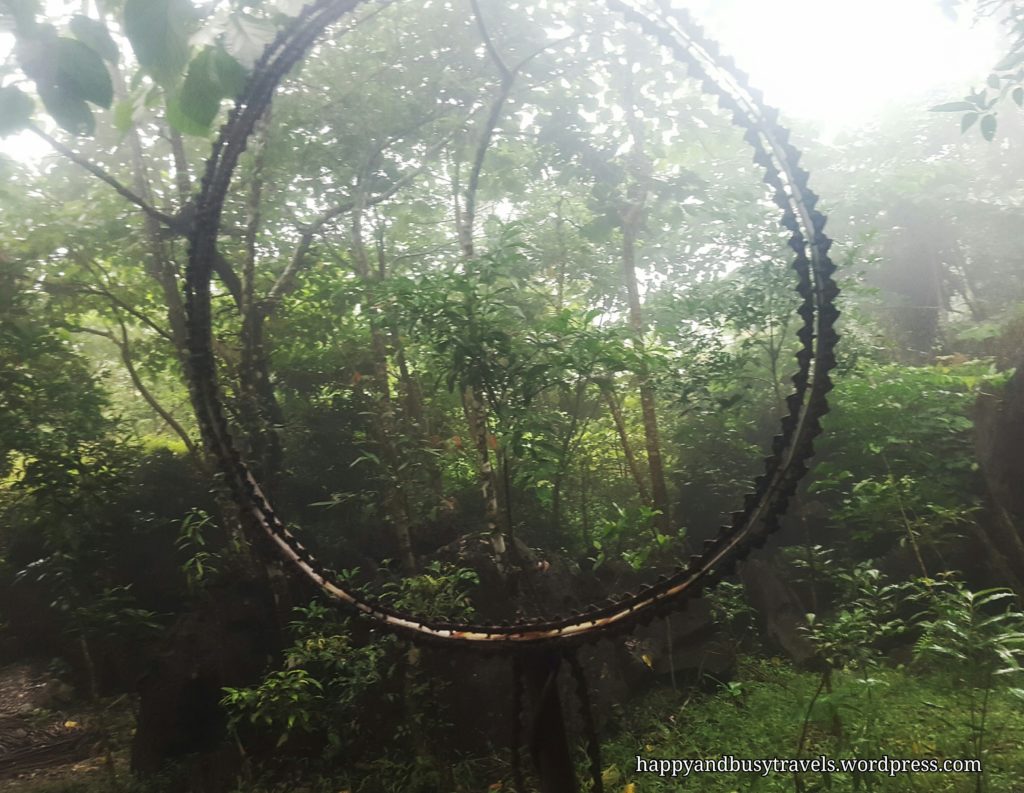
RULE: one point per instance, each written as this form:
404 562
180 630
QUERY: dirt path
21 689
38 737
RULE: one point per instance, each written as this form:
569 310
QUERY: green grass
761 715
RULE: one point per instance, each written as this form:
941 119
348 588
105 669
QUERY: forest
465 395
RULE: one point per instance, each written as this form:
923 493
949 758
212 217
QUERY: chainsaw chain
791 448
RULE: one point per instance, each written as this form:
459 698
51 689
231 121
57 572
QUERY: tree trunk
259 410
476 418
565 453
998 440
627 448
158 266
395 497
416 421
648 405
631 215
476 415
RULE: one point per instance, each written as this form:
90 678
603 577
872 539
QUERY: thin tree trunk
259 410
412 394
631 215
476 416
465 219
627 448
488 477
564 455
181 174
562 255
90 668
588 540
394 496
159 266
147 395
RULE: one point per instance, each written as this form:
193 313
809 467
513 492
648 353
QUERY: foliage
630 534
968 631
899 462
53 407
1007 76
438 591
348 300
202 564
320 688
330 676
978 638
193 60
768 721
866 618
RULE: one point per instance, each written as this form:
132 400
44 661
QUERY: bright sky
833 62
840 62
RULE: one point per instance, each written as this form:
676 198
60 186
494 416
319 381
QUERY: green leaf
81 71
987 596
212 76
1010 61
181 120
158 31
993 81
953 107
988 127
94 34
15 109
69 110
968 121
35 54
1018 96
246 38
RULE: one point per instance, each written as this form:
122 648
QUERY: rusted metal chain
791 449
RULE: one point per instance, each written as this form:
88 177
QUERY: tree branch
126 357
178 224
102 278
473 185
508 78
285 282
170 221
492 51
181 174
121 304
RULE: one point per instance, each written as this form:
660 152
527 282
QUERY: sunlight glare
835 63
839 63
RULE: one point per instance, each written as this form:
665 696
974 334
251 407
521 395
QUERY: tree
980 107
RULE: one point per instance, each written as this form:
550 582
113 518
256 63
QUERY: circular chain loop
791 449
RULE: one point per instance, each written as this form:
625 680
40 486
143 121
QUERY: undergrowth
760 714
